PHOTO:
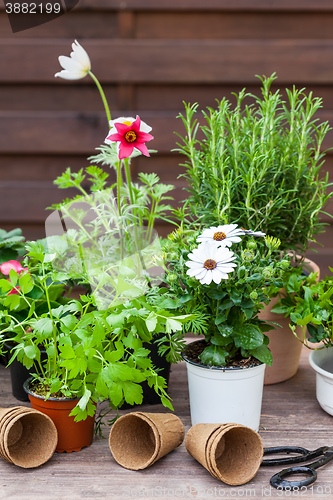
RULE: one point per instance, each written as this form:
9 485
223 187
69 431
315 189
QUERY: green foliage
90 354
308 303
11 244
226 313
258 164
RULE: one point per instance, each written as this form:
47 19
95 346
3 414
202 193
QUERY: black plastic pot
19 374
163 366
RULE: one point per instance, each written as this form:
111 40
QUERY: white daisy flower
210 262
225 235
77 65
249 232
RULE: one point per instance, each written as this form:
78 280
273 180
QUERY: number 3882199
33 8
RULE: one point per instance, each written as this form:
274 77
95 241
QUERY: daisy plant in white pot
225 275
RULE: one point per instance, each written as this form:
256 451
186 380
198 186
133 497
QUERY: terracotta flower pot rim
219 368
38 396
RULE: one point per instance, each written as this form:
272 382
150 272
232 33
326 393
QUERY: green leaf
116 320
44 326
166 402
67 352
69 321
115 394
307 319
263 354
213 355
172 325
83 402
31 351
116 355
248 337
5 285
132 392
151 322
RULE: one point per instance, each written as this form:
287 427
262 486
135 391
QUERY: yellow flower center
219 236
210 264
130 136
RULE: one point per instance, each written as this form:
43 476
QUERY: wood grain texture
150 56
290 416
174 61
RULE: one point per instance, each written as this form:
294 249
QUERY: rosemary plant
258 165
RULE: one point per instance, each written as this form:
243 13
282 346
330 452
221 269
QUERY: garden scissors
279 481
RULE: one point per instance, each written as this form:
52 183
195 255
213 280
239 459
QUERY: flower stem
101 91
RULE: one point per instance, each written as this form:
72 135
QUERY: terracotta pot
72 436
285 347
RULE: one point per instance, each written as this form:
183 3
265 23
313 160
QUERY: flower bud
172 277
267 272
248 255
253 295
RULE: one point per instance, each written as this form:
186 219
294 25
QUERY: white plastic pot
322 362
225 395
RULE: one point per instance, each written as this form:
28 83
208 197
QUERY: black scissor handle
303 455
278 481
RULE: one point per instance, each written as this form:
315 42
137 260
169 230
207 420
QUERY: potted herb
258 164
91 354
225 275
310 308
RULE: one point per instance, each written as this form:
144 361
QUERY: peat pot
283 344
225 394
322 363
72 436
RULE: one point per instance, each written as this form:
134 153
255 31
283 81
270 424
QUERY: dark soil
40 389
193 351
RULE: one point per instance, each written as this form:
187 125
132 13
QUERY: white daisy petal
207 279
224 235
254 233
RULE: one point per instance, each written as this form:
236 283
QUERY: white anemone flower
210 262
249 232
225 235
76 66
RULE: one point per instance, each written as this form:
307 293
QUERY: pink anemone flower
130 136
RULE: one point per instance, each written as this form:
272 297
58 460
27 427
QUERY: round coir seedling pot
72 436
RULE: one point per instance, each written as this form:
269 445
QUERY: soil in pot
194 350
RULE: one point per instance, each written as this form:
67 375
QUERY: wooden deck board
290 416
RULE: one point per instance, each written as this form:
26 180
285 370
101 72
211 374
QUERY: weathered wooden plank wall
149 56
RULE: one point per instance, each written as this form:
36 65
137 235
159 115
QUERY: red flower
6 267
130 136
